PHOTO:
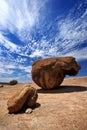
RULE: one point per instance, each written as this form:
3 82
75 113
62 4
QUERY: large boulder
49 73
26 96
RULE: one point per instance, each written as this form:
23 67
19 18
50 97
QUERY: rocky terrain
64 108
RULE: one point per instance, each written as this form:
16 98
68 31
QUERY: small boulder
13 82
49 73
1 85
26 96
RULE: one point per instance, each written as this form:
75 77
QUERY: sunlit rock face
25 97
49 73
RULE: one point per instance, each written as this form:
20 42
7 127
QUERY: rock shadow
37 105
64 89
24 108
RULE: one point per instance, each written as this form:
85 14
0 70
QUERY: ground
64 108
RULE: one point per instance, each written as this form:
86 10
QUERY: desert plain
63 108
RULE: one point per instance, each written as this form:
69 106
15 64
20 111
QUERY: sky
37 29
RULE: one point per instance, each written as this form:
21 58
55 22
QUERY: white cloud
5 42
37 53
61 37
19 16
5 68
8 70
73 30
73 34
25 68
80 54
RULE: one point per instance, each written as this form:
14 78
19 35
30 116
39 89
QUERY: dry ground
64 108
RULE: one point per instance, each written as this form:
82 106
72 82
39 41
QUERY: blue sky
36 29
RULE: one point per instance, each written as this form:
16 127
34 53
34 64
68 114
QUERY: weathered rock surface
49 73
26 96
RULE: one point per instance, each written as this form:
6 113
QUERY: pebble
29 111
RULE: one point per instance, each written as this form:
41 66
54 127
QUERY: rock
1 85
29 111
49 73
26 96
32 97
13 82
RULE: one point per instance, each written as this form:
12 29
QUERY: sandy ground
64 108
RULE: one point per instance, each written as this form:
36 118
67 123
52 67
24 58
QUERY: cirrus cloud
26 35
